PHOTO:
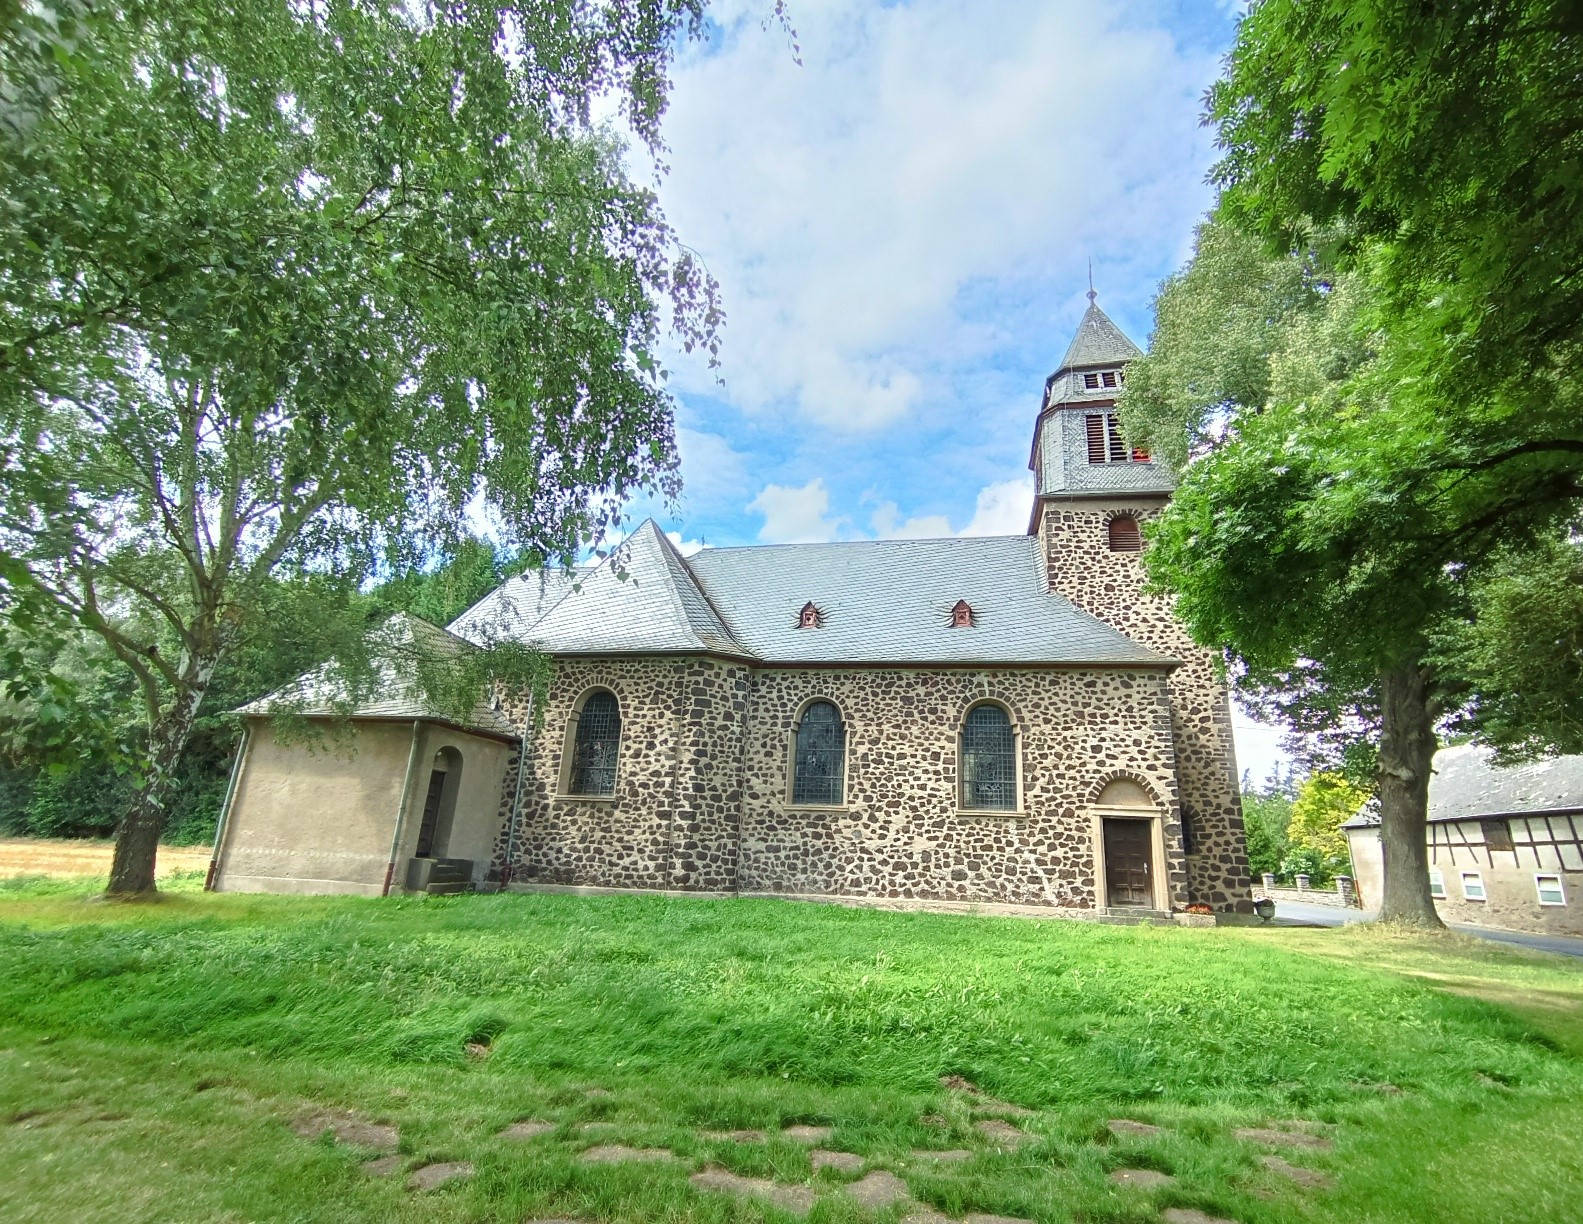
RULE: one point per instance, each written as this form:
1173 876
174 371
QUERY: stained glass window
595 747
820 759
989 761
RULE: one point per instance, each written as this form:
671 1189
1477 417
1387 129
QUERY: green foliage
1316 845
1264 818
1453 131
1325 802
288 289
1523 653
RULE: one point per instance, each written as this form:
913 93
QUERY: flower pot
1265 909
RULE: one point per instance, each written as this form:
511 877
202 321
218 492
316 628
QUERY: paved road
1294 913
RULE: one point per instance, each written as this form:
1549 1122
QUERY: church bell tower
1094 493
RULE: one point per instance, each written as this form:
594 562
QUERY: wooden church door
1128 851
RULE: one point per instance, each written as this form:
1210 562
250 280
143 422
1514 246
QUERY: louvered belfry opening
1106 443
1124 534
596 746
989 760
819 763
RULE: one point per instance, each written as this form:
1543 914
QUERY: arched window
989 760
595 745
819 762
1124 535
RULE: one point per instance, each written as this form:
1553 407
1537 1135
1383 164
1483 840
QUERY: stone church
996 721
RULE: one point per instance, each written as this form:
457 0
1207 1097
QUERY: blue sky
901 226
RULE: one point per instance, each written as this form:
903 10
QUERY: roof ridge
951 539
673 561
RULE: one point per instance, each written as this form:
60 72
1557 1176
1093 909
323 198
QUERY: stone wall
706 752
672 820
1109 585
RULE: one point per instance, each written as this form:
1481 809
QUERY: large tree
292 288
1334 516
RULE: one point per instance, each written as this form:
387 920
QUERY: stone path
348 1127
1144 1179
528 1129
1124 1128
796 1199
1310 1179
615 1153
808 1134
1003 1134
878 1189
432 1175
841 1162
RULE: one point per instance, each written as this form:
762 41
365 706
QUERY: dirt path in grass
32 856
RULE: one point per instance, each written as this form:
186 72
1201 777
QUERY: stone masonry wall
900 833
706 750
1110 586
672 821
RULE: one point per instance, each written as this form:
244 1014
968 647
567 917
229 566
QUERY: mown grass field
154 1057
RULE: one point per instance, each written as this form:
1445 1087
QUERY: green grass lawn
154 1057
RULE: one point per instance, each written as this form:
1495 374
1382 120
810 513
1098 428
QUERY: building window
1108 378
1105 443
962 615
1472 886
1124 534
810 617
989 760
1091 382
1497 834
819 758
595 746
1437 885
1550 890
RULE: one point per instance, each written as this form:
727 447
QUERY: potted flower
1264 907
1196 915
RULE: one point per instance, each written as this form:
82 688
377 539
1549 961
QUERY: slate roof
642 600
889 601
1098 342
882 601
406 639
1467 785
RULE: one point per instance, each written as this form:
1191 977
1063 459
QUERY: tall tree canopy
287 288
1368 372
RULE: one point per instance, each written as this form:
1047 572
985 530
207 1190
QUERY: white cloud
922 150
1002 509
795 516
686 547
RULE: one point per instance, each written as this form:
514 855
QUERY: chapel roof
1467 785
880 601
401 644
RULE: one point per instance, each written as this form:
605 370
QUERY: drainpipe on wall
401 812
225 808
516 798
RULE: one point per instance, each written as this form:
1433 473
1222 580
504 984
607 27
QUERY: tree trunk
1407 748
137 840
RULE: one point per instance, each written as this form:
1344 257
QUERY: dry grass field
57 859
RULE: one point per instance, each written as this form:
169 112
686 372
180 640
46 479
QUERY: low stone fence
1343 896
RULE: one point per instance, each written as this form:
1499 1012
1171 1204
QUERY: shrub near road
160 1061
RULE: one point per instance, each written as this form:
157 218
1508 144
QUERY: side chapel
998 720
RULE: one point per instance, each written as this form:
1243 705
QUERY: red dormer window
810 617
962 615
